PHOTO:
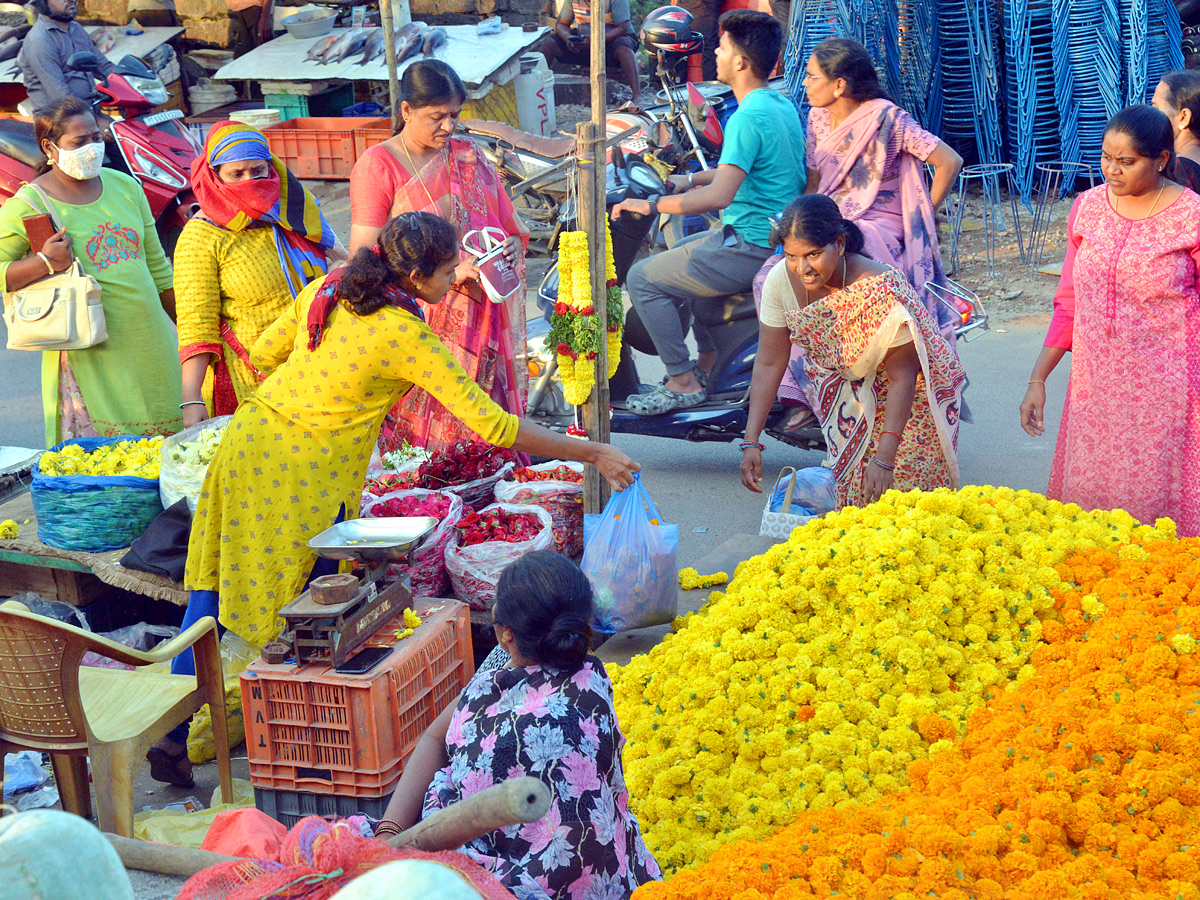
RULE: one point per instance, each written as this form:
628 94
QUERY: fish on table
373 47
349 43
435 40
409 40
319 46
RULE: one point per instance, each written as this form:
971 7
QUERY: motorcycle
732 322
156 148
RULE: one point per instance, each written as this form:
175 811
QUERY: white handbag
62 311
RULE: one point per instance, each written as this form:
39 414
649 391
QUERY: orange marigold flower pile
1082 783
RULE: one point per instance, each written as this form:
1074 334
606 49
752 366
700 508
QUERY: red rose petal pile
435 505
497 525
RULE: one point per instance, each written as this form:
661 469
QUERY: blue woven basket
90 513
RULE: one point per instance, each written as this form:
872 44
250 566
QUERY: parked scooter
731 321
156 148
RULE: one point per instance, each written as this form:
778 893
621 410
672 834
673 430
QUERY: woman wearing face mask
890 385
130 383
1128 311
259 239
295 455
425 168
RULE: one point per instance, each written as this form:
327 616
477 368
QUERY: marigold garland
838 658
1081 783
573 324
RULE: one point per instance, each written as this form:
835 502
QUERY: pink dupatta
851 160
464 189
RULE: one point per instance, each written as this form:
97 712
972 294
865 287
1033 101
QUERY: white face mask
83 163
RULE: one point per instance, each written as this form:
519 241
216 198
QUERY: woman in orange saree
425 169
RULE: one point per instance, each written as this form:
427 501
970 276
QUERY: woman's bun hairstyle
816 219
547 602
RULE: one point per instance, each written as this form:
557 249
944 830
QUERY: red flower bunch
558 473
497 525
462 463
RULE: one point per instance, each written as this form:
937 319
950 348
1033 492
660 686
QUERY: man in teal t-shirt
760 171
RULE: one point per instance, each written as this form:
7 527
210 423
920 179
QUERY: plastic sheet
184 829
236 654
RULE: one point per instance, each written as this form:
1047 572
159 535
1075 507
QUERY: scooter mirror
84 61
645 179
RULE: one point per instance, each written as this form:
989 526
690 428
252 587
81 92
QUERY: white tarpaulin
474 57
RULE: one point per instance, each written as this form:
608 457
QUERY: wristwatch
653 200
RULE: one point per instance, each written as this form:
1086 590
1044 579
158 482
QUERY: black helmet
669 30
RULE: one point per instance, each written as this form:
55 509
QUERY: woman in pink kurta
1128 310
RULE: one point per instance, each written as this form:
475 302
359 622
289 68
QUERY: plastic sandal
661 401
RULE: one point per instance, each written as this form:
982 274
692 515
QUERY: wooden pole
592 218
387 23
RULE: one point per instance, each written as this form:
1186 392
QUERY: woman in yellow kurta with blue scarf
259 239
295 455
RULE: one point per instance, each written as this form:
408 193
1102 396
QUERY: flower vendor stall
979 693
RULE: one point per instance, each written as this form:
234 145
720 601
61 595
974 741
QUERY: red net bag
316 860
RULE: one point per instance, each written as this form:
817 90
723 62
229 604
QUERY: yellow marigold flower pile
8 529
690 579
1084 782
135 459
838 658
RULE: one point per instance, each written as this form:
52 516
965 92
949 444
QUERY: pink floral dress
560 727
1128 309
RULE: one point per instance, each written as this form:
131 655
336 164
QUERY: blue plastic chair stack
815 21
1088 68
920 89
1032 114
970 72
1153 44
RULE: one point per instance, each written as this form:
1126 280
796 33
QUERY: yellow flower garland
573 325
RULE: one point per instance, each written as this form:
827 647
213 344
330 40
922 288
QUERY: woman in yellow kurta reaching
295 455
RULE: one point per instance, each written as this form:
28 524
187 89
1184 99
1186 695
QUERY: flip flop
164 767
661 401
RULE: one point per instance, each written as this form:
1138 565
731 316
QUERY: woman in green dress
130 383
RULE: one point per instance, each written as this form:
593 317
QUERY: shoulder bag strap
50 211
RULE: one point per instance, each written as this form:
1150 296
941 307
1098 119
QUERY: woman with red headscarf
259 239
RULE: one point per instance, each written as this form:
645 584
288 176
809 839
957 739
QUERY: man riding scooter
760 170
52 40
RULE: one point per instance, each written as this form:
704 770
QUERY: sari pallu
463 188
845 338
898 224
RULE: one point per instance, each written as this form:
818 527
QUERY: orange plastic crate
316 147
309 728
372 132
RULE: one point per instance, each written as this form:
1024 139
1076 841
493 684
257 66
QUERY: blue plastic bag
629 555
814 493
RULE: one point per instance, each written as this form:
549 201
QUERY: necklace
417 174
1162 186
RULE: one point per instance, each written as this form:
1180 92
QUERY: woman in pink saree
868 154
425 169
1128 311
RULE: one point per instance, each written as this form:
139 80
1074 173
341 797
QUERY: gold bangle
386 827
49 266
1042 383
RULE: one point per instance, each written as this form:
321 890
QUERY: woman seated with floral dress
539 706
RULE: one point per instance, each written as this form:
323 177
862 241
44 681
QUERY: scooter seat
725 310
551 148
18 142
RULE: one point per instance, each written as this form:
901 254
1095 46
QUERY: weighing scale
332 633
